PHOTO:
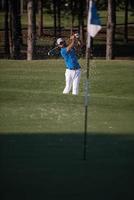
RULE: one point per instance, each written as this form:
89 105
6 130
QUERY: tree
19 27
10 30
132 3
55 17
2 4
14 29
110 30
59 16
72 5
126 22
40 22
31 29
21 6
6 30
81 21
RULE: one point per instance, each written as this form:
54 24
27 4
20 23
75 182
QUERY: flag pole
86 88
86 103
93 27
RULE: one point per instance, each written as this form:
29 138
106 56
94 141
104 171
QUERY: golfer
73 69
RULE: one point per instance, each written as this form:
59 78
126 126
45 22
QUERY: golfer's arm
71 45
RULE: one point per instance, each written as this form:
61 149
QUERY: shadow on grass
51 166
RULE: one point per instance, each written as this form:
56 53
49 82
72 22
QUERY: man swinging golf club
73 69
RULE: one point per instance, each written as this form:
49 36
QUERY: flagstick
88 56
87 83
93 27
86 104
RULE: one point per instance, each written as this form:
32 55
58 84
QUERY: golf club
51 52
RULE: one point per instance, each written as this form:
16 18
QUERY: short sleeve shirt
70 58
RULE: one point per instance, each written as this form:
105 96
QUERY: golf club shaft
50 51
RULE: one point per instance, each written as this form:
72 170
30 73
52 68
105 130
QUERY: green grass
31 98
41 132
120 17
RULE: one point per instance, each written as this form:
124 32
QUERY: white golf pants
72 81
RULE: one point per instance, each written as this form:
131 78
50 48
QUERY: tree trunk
21 6
73 6
81 21
14 29
110 30
59 16
2 4
55 18
6 35
31 29
126 22
40 23
19 27
11 31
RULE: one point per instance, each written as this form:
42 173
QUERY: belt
74 68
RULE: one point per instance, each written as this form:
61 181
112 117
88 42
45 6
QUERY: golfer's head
61 42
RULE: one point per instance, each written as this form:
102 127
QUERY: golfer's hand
72 37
